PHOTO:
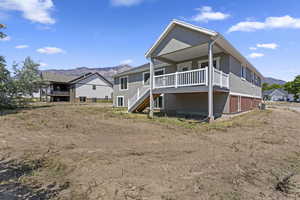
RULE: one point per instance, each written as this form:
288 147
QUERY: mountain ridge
107 72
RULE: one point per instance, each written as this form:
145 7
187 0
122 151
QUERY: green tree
266 86
27 78
5 85
293 87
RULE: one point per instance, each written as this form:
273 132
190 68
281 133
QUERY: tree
266 86
5 85
27 78
2 35
293 87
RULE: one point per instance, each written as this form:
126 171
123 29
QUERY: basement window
120 101
82 99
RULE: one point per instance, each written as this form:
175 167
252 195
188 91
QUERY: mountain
107 72
270 81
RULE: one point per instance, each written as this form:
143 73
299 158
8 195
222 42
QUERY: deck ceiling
188 53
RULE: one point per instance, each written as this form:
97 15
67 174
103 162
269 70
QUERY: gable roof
220 40
55 77
183 24
87 75
271 92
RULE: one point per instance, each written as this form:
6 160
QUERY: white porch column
151 87
210 82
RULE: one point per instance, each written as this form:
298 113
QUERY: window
120 101
124 83
159 102
252 78
94 87
159 72
82 99
94 100
243 72
204 63
146 78
146 75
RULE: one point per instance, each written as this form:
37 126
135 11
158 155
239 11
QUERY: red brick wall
245 103
233 104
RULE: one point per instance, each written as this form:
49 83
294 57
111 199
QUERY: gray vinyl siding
195 103
135 81
180 38
84 88
237 84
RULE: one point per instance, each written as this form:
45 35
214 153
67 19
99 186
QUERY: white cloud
43 64
33 10
268 46
126 62
50 50
269 23
7 38
125 2
23 46
206 14
256 55
252 48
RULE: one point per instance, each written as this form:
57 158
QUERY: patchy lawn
96 152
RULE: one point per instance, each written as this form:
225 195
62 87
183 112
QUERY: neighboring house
277 95
89 87
192 71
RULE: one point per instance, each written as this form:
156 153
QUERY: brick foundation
242 104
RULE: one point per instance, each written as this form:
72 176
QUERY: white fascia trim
244 95
181 23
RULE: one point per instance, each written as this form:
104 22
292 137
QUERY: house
277 95
193 71
89 87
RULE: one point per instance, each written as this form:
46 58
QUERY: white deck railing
221 79
191 78
181 79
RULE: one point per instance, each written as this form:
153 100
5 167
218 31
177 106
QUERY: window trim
217 59
121 83
123 101
163 103
243 72
147 72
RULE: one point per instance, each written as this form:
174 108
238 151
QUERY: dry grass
95 152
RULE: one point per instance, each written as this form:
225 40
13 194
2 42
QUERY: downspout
210 82
151 87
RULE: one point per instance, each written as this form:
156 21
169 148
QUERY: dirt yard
93 152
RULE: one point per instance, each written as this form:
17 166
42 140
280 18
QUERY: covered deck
183 43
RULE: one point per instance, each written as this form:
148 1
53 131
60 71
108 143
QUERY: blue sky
101 33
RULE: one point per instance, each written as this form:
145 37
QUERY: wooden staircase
146 103
141 102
